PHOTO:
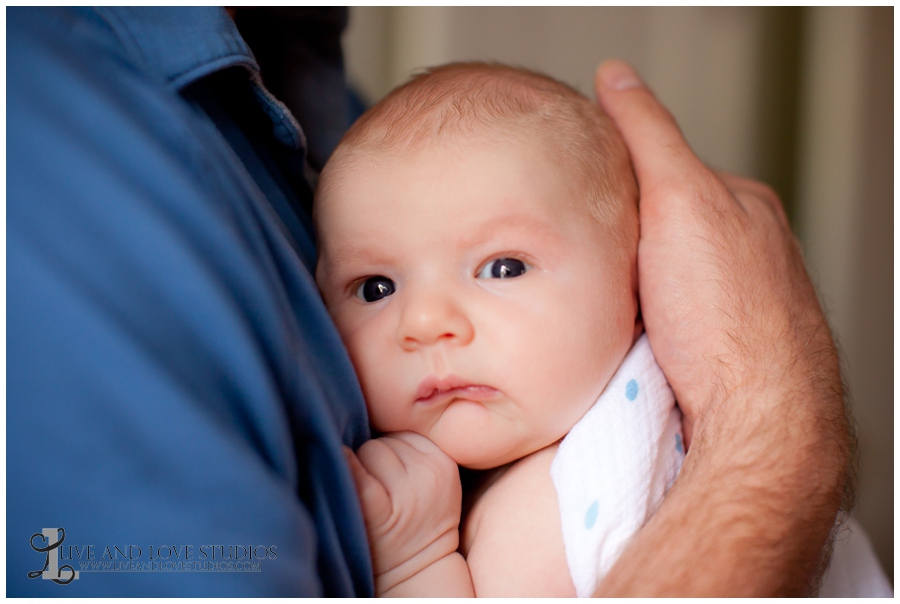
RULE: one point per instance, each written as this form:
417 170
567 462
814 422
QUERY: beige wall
799 97
704 82
846 221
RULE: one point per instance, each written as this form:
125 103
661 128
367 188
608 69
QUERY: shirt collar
184 44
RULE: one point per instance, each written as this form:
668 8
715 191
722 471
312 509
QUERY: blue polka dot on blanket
591 517
678 445
631 390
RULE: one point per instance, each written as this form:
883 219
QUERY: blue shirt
176 392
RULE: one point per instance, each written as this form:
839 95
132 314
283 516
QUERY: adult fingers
662 158
750 192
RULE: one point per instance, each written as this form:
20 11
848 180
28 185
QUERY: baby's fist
411 498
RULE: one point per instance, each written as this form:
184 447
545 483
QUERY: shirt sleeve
176 397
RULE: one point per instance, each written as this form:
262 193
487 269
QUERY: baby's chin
486 456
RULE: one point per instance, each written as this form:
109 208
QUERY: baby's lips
474 392
432 385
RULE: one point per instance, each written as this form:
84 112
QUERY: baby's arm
411 499
512 538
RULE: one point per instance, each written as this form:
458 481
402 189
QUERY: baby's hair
449 102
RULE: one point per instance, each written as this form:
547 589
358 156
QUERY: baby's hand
411 499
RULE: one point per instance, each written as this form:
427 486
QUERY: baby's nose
429 319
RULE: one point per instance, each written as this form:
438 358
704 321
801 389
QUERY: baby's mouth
433 390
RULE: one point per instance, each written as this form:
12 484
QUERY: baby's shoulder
528 475
512 536
496 489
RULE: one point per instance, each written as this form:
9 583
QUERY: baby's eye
503 268
375 288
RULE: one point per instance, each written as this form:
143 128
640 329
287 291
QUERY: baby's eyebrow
511 222
349 259
344 253
340 257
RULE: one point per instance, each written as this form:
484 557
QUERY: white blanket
854 571
614 467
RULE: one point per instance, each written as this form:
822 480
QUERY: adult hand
734 322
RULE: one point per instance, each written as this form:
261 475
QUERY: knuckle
753 193
370 449
767 193
766 208
369 492
442 474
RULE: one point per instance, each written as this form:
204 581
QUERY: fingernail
619 76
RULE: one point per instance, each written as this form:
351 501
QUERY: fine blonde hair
450 102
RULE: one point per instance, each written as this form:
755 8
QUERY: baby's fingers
386 459
417 445
374 497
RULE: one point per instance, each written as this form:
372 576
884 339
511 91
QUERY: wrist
396 573
447 577
789 414
779 453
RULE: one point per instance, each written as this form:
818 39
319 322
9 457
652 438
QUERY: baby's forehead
462 107
361 166
362 179
446 145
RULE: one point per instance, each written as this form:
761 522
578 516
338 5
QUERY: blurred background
801 98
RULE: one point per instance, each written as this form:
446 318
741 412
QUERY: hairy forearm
753 509
446 578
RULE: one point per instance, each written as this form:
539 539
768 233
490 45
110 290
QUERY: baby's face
481 305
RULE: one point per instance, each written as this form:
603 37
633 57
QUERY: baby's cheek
367 345
378 385
385 414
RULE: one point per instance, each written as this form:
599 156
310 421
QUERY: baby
478 235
